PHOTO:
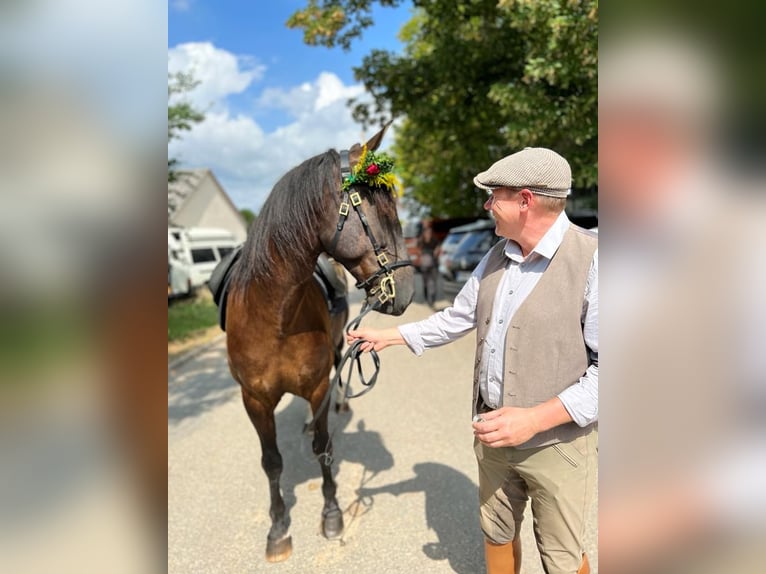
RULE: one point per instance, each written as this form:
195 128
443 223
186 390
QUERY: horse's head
364 233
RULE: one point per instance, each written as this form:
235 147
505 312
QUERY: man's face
503 203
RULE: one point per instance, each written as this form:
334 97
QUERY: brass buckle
387 288
355 198
383 259
344 208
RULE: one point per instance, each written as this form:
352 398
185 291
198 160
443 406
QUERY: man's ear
525 198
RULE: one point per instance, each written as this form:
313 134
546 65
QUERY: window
224 251
203 255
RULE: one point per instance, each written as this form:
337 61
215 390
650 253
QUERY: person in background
429 252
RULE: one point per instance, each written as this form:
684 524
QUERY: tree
181 114
477 79
249 215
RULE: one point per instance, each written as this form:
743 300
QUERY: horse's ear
374 141
355 151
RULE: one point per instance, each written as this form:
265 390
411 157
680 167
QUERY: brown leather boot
584 566
503 558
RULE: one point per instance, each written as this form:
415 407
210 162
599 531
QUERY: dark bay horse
280 335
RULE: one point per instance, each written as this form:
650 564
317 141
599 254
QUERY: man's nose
488 204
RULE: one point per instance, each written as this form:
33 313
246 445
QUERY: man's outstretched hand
377 339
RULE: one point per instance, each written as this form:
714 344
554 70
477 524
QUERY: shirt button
492 351
492 379
500 321
510 292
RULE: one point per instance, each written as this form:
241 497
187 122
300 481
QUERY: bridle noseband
386 289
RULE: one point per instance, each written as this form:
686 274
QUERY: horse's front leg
279 543
332 517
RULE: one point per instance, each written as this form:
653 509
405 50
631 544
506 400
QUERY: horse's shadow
299 463
451 511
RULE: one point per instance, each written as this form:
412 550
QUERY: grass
190 317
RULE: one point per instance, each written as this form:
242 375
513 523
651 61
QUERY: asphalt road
405 470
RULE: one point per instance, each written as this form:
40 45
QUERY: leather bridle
386 291
386 288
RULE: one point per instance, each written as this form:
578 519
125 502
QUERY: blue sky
270 100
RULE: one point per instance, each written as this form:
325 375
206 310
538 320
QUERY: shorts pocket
567 456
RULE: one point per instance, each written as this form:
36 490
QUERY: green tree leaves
477 80
181 114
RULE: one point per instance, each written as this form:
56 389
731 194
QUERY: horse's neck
280 294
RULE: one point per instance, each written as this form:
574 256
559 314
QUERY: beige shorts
555 479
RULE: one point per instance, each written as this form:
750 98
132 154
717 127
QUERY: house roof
186 182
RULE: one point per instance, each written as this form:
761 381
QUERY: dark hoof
332 524
279 550
342 407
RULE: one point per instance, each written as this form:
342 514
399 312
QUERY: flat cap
538 169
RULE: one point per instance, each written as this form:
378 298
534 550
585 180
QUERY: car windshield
453 238
476 241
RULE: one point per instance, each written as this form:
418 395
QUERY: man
533 300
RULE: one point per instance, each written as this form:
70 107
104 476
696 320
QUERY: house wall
208 207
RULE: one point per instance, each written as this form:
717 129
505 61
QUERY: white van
193 253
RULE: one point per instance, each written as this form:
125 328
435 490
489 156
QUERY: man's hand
512 426
507 426
377 339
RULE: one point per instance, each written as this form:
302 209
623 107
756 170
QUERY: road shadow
199 386
451 512
299 463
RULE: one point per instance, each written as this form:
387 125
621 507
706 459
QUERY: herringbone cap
538 169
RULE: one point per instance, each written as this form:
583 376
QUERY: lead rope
352 354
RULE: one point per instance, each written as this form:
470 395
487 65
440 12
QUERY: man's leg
559 479
503 558
502 497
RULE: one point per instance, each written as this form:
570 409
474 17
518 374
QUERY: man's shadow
452 511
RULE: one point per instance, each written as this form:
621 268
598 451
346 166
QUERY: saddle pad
219 283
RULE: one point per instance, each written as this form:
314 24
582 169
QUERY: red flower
373 169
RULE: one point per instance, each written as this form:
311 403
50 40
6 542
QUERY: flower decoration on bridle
373 170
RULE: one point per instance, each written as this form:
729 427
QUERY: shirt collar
548 244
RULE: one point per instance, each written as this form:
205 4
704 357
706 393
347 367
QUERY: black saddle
333 289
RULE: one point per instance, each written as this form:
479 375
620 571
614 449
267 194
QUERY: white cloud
249 160
219 72
309 98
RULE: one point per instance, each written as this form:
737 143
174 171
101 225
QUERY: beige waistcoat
544 347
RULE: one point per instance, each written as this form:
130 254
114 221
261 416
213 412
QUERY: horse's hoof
279 550
332 524
342 407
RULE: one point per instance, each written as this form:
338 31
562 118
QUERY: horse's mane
288 221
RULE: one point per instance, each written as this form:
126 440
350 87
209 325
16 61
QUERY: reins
352 355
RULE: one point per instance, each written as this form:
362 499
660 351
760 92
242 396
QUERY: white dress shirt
519 279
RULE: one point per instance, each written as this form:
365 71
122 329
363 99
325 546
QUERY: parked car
193 253
440 227
585 218
451 242
476 241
